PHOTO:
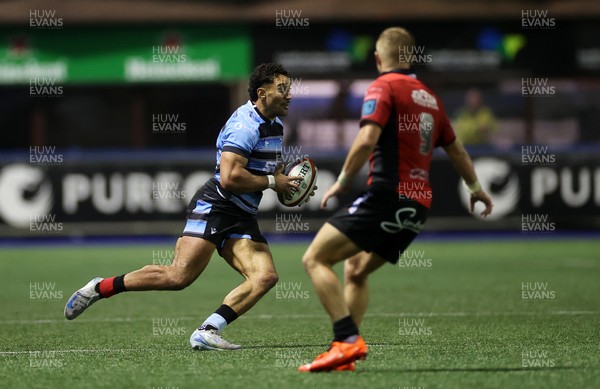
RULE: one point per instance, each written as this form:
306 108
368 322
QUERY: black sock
227 313
344 328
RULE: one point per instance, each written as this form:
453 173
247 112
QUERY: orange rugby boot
339 354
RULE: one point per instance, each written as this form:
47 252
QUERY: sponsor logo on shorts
402 223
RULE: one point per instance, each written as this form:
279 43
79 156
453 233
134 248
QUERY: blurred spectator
474 122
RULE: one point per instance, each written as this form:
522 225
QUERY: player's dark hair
265 73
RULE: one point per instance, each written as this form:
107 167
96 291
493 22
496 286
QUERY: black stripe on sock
227 313
119 284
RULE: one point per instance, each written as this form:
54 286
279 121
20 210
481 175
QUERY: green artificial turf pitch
497 314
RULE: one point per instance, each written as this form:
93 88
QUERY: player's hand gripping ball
306 169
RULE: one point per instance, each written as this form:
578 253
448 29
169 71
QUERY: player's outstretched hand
332 192
284 183
485 199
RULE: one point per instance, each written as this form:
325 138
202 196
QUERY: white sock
216 321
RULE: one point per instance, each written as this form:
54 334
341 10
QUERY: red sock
110 286
106 287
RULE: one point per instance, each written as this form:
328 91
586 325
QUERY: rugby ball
305 168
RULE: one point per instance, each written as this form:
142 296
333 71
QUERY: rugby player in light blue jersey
221 215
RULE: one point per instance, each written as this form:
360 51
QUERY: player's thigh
192 255
330 246
248 257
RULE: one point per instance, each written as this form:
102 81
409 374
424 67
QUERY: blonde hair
392 43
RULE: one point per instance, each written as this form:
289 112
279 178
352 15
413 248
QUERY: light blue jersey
252 136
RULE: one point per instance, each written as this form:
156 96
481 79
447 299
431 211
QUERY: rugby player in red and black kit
402 122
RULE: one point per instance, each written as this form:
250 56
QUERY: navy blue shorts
216 219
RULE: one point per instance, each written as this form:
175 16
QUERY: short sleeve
447 135
377 103
238 139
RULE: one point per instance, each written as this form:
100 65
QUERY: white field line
41 353
310 316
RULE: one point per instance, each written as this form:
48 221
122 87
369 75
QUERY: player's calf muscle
156 277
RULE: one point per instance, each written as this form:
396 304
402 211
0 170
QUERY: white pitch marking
313 316
104 350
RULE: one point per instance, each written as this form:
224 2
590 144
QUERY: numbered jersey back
413 123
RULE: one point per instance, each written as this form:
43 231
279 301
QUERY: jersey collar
408 72
260 114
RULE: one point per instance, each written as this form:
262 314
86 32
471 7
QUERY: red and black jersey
413 123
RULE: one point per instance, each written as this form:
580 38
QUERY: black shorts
381 223
216 219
